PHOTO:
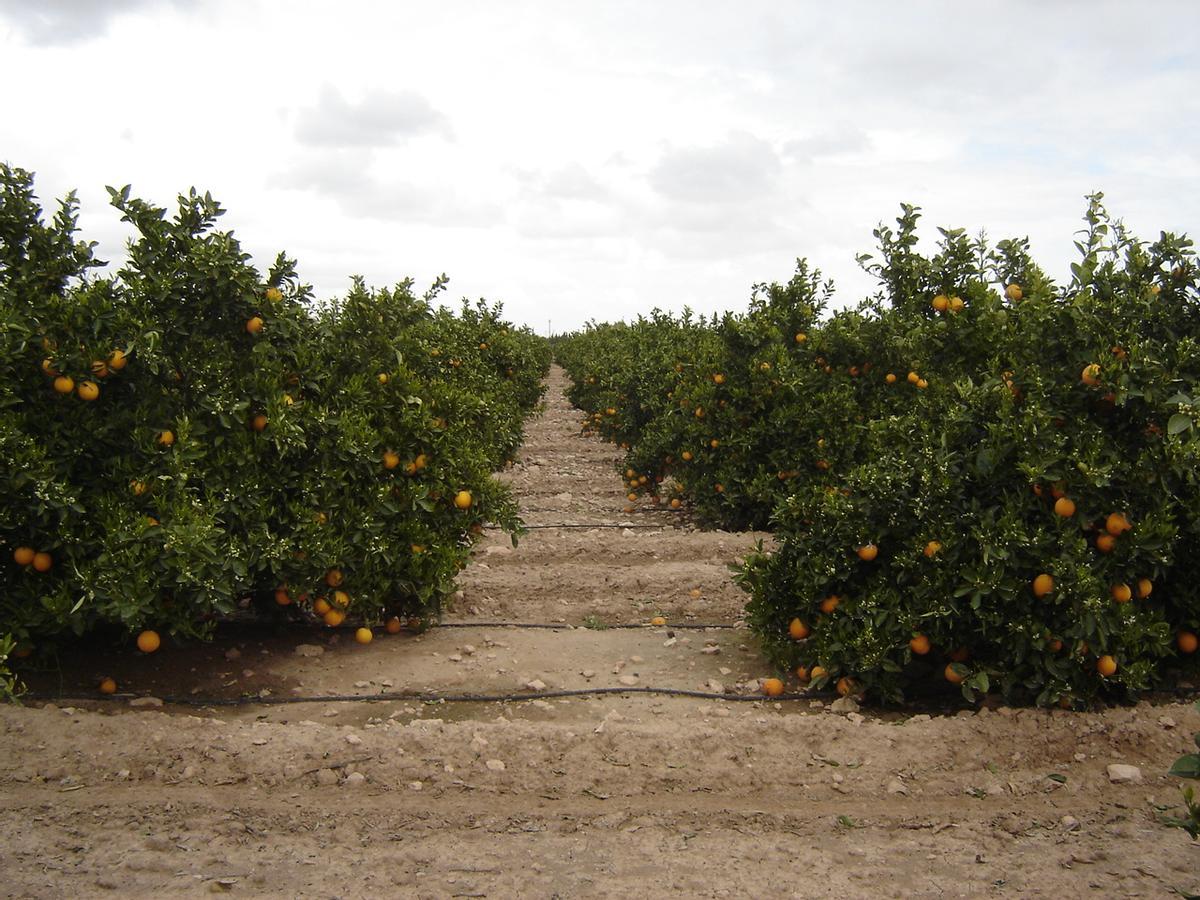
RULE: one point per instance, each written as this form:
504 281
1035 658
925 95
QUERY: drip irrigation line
530 527
435 697
564 626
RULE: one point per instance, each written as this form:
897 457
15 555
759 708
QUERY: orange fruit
719 488
1013 292
1121 593
1145 587
952 674
922 384
801 337
282 597
1065 507
382 378
42 562
340 599
334 618
64 384
334 577
772 687
1090 374
364 635
798 630
254 324
1042 585
259 422
817 672
940 303
1105 542
1117 524
913 377
165 438
48 367
108 686
718 378
462 500
932 548
830 603
890 378
1054 646
321 606
88 390
802 673
764 367
699 412
956 304
138 487
1106 666
867 552
274 294
919 644
117 360
148 641
393 625
714 443
631 497
659 620
846 686
1186 642
390 459
23 556
99 368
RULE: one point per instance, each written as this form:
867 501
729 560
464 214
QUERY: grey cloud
739 170
60 22
843 140
574 182
381 118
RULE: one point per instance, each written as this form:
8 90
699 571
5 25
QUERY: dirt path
609 796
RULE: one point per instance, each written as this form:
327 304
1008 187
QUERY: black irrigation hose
590 525
434 697
566 627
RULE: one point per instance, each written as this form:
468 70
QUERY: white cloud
380 118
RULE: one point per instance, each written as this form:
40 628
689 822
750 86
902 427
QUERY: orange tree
938 449
188 435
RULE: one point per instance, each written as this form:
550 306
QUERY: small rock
628 680
536 685
356 779
415 785
362 684
715 686
896 786
309 650
722 712
543 705
145 701
455 657
326 777
329 713
1122 774
353 740
725 670
588 674
468 649
838 777
636 659
855 718
1080 757
670 642
496 765
844 705
258 742
233 653
711 650
1069 823
1166 722
247 673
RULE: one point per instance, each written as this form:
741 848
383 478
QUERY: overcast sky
596 160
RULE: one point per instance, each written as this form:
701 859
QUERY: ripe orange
390 459
714 443
108 686
1145 587
1105 542
282 597
88 390
1090 374
1121 593
956 304
846 686
340 599
334 577
890 378
254 324
462 500
686 455
699 412
798 630
719 488
867 552
940 303
764 367
100 368
48 367
393 625
1186 642
64 384
364 635
830 603
802 673
1065 507
932 548
42 562
117 360
1055 645
718 378
922 384
952 674
1013 292
321 606
659 620
919 644
801 337
913 377
148 641
1106 666
676 503
166 438
138 487
259 422
23 556
772 687
1117 524
274 294
817 672
1042 585
334 618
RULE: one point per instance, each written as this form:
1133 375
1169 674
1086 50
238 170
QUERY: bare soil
610 795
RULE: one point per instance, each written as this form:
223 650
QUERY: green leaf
1179 423
1186 766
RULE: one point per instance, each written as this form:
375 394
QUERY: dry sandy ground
614 795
